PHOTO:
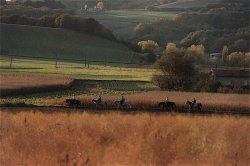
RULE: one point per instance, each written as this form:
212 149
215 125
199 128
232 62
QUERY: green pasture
53 42
75 70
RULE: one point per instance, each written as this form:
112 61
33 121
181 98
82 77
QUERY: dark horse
125 104
101 104
167 105
73 102
194 107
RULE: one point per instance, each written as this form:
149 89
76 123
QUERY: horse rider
122 101
99 100
193 103
167 100
73 97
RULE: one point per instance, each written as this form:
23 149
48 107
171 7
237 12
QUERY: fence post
88 65
11 60
56 62
85 61
105 63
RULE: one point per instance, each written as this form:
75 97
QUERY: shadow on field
23 68
89 87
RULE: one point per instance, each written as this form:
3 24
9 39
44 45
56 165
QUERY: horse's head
188 102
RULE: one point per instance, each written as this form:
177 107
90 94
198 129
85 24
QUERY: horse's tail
78 102
161 104
200 106
174 105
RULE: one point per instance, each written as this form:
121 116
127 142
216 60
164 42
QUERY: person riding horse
122 101
193 103
73 102
167 105
194 106
99 102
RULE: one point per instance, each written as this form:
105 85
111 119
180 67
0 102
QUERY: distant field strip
13 84
75 69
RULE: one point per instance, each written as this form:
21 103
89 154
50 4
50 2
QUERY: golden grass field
48 137
215 101
18 84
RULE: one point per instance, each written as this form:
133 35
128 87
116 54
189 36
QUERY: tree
236 58
100 6
224 53
177 68
171 47
197 51
149 46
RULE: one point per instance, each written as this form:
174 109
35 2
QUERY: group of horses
98 104
162 105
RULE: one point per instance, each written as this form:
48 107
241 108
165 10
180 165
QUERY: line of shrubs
66 21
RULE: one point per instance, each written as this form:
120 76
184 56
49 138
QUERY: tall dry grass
59 138
16 84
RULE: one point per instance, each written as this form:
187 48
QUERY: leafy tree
149 46
171 47
175 62
100 6
224 53
236 58
197 51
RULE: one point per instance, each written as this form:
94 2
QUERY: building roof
240 73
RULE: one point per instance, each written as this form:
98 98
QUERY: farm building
231 77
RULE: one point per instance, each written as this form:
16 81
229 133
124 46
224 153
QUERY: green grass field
49 42
75 70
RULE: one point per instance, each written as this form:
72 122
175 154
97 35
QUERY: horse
73 102
167 105
99 103
195 107
124 105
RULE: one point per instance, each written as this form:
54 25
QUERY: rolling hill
184 4
49 42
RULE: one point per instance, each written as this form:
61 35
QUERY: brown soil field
15 84
39 137
215 101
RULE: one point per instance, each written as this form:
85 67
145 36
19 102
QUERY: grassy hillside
122 22
47 42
